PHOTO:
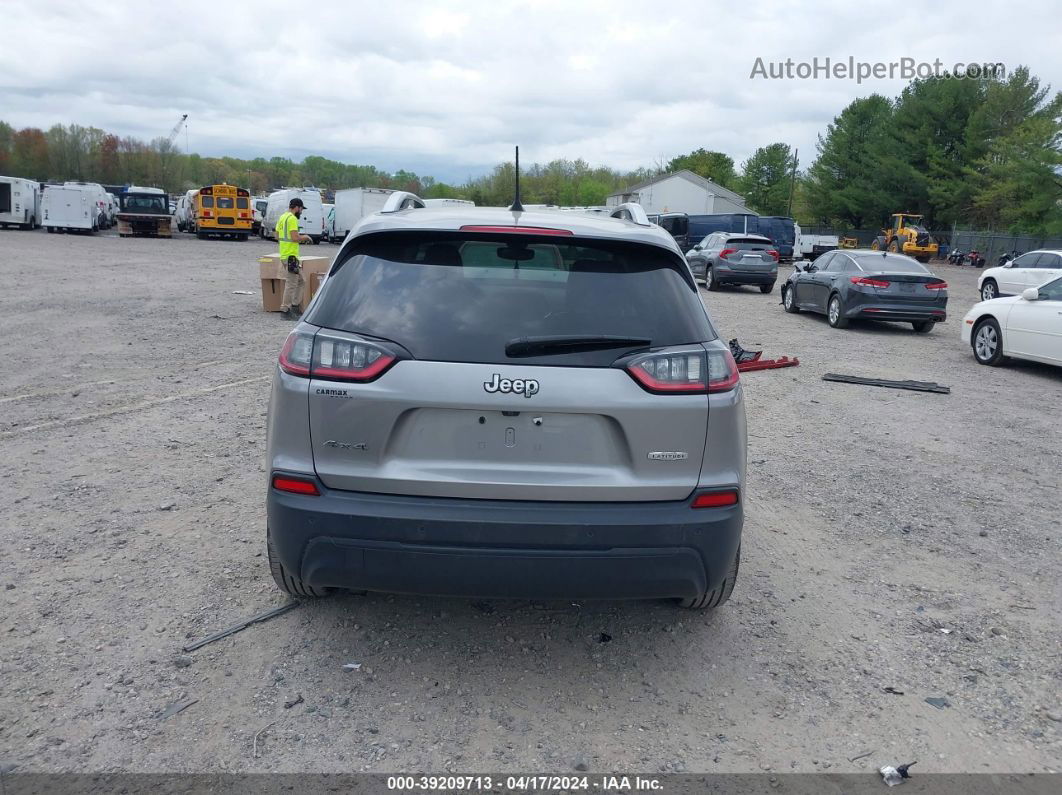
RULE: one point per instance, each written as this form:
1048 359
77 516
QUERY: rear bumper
503 549
898 310
746 277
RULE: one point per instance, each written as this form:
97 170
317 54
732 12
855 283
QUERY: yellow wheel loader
906 235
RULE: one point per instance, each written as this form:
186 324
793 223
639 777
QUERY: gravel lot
893 540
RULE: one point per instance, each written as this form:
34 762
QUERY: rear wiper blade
534 346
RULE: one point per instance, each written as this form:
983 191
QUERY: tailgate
444 429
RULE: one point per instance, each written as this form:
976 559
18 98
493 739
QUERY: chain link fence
991 245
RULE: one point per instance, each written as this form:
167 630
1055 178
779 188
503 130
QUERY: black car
871 285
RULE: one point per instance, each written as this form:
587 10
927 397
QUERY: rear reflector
715 499
295 485
518 230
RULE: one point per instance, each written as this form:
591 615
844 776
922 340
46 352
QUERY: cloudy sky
446 88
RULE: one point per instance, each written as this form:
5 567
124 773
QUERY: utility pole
792 183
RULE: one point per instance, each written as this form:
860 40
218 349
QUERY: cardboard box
274 274
272 294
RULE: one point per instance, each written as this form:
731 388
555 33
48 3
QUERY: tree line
985 152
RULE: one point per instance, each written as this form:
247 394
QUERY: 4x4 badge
519 386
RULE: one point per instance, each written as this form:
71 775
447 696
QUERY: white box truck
311 222
20 203
70 208
353 204
99 198
809 247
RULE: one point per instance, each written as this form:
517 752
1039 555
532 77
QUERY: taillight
722 371
294 485
936 285
715 499
207 213
868 282
297 353
684 372
348 360
773 253
726 252
332 358
518 230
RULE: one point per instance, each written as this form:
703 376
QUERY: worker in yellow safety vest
289 237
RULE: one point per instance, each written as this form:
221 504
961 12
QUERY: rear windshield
890 263
225 203
144 203
461 298
745 244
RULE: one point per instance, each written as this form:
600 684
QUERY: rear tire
717 596
923 326
200 234
987 342
835 312
789 300
878 244
51 230
287 582
989 290
766 288
709 280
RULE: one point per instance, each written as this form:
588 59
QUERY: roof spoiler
402 200
631 211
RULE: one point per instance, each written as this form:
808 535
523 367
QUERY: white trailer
311 222
70 208
20 203
353 204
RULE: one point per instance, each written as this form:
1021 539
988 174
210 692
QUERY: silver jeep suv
489 403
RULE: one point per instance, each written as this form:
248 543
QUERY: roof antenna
517 206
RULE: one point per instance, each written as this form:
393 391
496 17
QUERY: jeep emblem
518 386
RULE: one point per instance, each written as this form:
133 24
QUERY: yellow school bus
222 210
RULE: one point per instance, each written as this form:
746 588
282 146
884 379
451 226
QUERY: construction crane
168 150
176 129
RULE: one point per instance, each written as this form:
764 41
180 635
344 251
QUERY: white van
20 202
259 205
185 208
104 220
70 208
112 207
353 204
311 222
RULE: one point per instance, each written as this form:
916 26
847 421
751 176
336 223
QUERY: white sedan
1028 270
1026 326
